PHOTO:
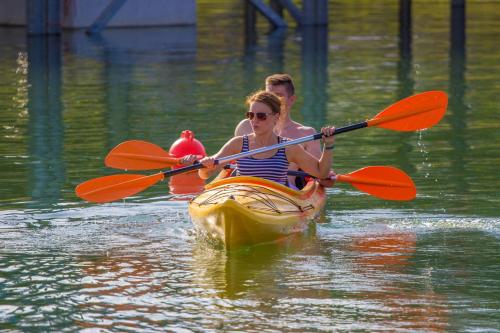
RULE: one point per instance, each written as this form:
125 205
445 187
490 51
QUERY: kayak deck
248 210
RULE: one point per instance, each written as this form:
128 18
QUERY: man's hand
330 181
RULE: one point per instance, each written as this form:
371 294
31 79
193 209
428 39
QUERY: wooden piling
250 21
458 25
315 12
43 17
405 27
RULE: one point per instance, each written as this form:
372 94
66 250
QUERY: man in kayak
282 85
265 109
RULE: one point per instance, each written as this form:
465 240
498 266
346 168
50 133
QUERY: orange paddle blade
382 181
139 155
115 187
413 113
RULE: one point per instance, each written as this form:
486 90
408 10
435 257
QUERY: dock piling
315 12
43 17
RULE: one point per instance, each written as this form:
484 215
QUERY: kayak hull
239 211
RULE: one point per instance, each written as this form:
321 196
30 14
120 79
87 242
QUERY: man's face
280 90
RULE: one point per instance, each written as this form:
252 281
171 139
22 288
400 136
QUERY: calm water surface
367 265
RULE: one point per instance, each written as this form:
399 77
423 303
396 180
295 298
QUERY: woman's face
261 117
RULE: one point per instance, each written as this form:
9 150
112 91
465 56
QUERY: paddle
413 113
380 181
139 155
383 182
417 112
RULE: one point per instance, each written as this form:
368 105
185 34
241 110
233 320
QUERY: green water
431 264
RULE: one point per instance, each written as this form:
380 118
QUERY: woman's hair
270 99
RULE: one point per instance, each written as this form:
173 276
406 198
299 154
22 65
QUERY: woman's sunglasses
260 115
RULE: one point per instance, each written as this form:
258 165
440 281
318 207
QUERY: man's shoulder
299 130
243 128
306 129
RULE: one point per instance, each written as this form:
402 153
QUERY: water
136 265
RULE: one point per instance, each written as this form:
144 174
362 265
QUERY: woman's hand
209 167
328 138
188 159
208 162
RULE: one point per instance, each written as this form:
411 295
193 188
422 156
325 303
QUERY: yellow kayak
249 210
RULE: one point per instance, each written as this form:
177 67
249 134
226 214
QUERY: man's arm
243 128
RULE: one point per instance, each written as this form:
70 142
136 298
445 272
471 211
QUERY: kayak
238 211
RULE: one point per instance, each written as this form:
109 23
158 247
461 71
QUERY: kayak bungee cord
252 192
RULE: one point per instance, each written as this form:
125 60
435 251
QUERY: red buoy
186 183
187 144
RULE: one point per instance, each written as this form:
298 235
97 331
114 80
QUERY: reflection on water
188 183
46 128
458 108
147 274
390 251
314 75
371 265
247 271
392 254
118 290
406 82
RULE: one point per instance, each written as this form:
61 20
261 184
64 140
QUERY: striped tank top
274 168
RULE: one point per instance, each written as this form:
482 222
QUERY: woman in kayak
263 113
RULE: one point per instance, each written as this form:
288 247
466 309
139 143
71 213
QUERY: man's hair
282 79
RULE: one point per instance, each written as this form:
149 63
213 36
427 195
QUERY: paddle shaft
351 179
298 173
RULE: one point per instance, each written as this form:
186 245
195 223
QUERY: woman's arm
231 147
310 164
